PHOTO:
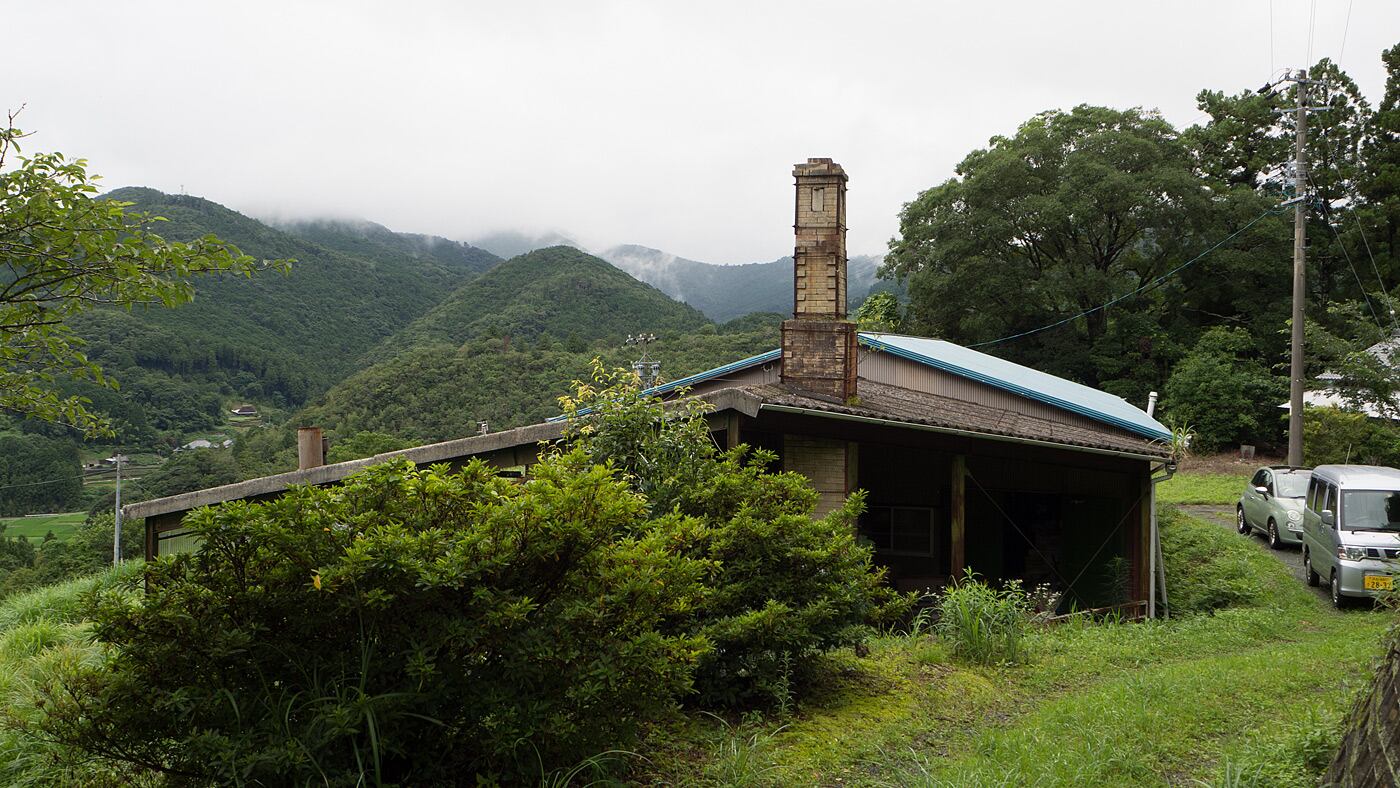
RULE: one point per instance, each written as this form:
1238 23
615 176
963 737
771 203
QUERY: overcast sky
667 124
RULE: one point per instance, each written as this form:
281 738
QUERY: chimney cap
819 167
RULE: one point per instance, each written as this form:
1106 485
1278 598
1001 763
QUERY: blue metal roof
751 361
1027 382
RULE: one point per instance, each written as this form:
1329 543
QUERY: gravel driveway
1291 557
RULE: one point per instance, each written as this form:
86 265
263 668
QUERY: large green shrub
785 586
411 626
1222 390
425 627
1337 436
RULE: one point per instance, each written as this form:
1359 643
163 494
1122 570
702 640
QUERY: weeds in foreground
741 759
594 767
982 623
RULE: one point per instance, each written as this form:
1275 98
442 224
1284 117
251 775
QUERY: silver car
1351 530
1272 504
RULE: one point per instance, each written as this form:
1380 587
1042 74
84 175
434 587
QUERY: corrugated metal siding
895 371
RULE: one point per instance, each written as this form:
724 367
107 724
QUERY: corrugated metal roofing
1027 382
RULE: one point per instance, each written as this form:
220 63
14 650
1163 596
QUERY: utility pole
647 370
117 530
1300 240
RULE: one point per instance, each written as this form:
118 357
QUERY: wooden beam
958 509
731 430
1142 571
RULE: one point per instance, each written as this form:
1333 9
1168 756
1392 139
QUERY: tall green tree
1074 209
64 251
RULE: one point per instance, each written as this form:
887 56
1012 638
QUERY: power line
1148 286
1345 29
1271 38
1361 231
1312 26
35 484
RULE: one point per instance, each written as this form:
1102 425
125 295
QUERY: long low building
968 460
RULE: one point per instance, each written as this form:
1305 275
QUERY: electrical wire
1160 279
1312 26
1271 38
1345 29
1361 231
36 484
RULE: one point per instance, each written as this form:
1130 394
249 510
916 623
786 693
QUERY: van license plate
1379 583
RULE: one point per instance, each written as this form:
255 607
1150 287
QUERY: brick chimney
819 343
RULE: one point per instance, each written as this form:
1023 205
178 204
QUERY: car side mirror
1328 518
1262 490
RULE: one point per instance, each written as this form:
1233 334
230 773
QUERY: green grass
1202 488
34 528
42 636
1157 703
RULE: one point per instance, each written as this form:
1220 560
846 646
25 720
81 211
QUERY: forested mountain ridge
274 339
434 392
320 318
560 292
724 292
377 242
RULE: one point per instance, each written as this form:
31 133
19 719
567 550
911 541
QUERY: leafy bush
1225 393
981 623
1337 436
424 626
784 587
411 626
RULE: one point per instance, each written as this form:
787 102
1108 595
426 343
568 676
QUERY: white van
1351 530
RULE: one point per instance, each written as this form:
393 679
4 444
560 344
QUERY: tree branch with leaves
64 250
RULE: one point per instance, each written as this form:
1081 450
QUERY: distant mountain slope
561 292
375 241
508 244
284 336
724 292
438 392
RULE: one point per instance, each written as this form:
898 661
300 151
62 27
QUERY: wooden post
958 509
731 430
1145 586
310 452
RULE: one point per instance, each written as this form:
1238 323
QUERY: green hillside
377 242
559 292
438 392
321 318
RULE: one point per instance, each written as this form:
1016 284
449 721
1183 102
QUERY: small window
818 199
1261 478
1312 495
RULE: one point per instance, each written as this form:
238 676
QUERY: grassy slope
33 528
1128 704
1203 488
42 632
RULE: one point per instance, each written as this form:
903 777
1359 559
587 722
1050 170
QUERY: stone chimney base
819 356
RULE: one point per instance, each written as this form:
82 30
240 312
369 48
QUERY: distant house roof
983 368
